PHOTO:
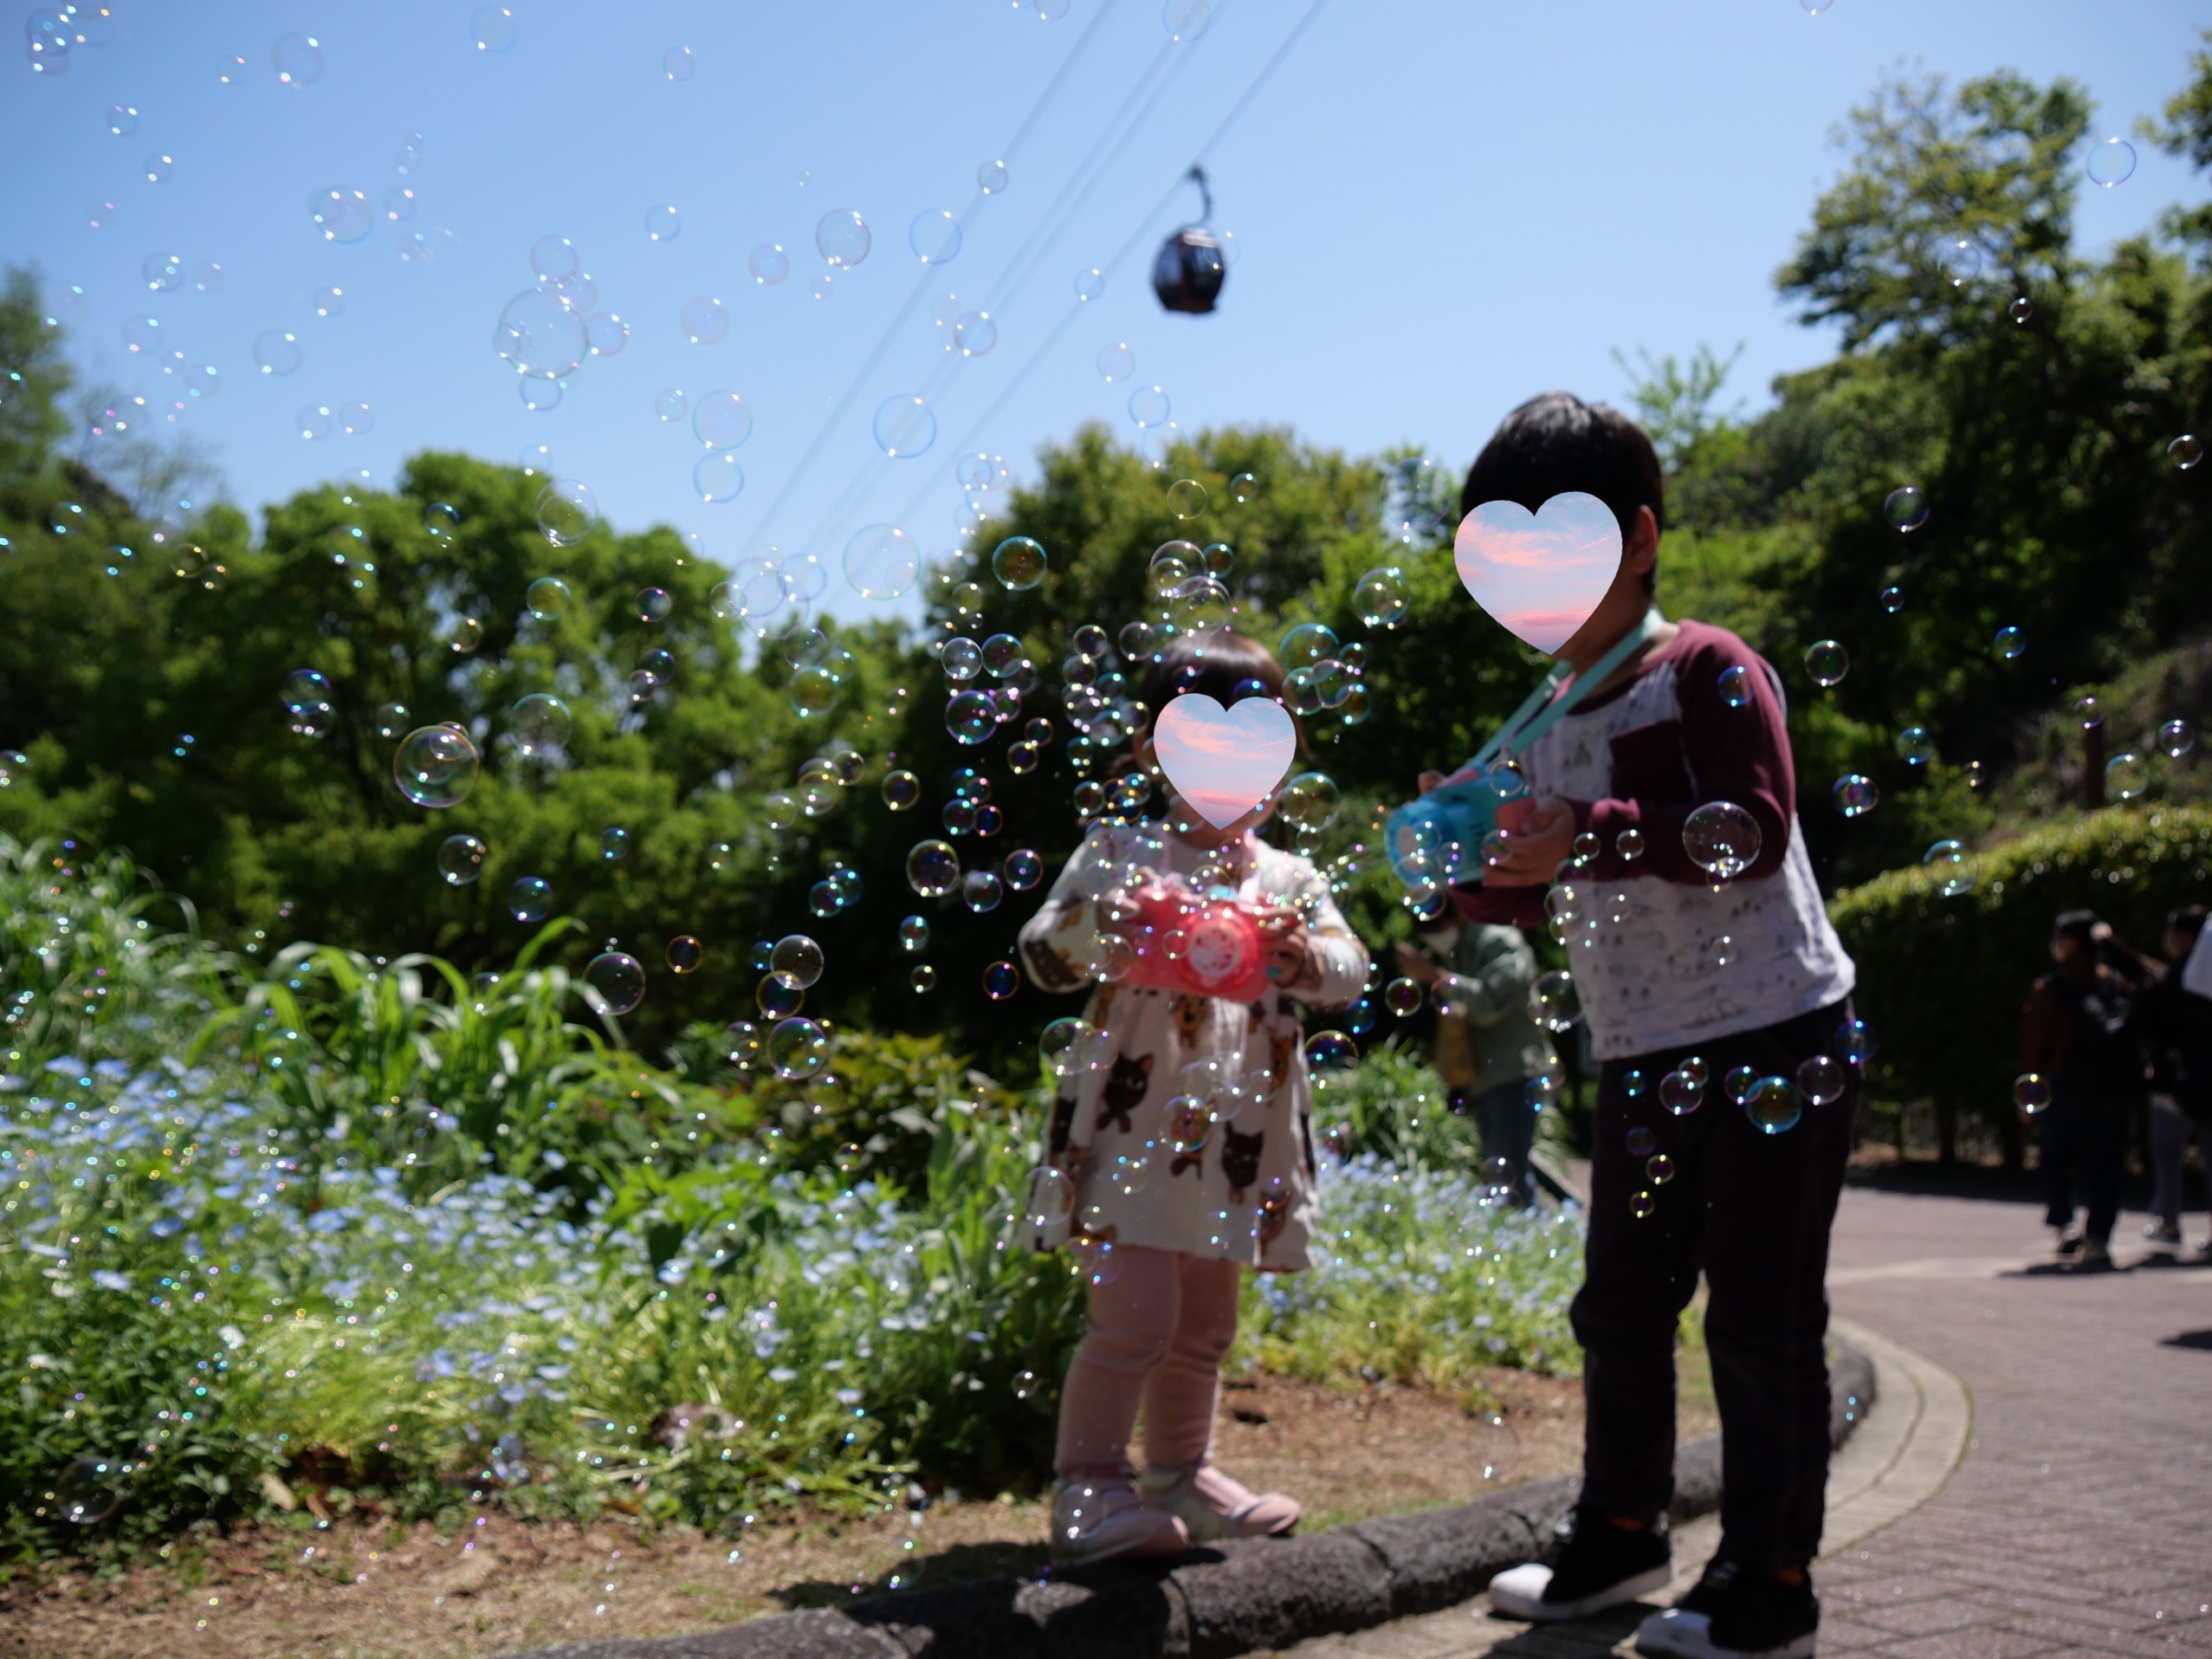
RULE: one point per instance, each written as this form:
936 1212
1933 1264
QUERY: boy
2177 1030
1672 966
1487 1045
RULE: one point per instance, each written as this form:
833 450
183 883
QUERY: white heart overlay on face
1223 761
1539 574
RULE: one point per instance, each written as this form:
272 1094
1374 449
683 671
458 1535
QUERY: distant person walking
2176 1027
2078 1033
1488 1046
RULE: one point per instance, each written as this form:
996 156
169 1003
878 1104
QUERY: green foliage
1943 981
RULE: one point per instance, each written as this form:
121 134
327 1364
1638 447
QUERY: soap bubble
122 120
1642 1205
1149 405
1186 20
842 239
1905 508
934 235
1023 869
1722 838
1641 1142
974 334
961 658
1000 980
662 224
539 725
981 889
679 63
1961 259
1891 598
902 790
1682 1091
798 957
1820 1079
1309 799
1827 662
1003 656
881 561
991 176
718 477
2111 163
1953 869
1553 1003
614 845
904 426
703 320
932 868
1116 361
719 419
2020 310
436 766
2185 451
768 262
2031 1093
1331 1051
797 1049
971 716
1855 794
1187 498
1772 1104
276 352
85 1493
1629 843
2176 739
547 598
541 335
1380 597
1736 686
1914 746
2127 775
1090 284
492 28
2009 644
1072 1046
1018 562
779 995
539 395
1307 644
530 899
460 860
1854 1040
163 272
617 980
298 60
567 511
1243 488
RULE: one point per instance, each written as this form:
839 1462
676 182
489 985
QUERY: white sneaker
1102 1519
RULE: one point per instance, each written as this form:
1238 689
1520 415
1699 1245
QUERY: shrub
1942 979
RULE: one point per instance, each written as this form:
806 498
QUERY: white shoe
1518 1592
1211 1505
1103 1520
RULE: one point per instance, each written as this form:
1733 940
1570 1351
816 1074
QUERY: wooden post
2092 765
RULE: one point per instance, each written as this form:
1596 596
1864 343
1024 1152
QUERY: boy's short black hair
1556 442
2075 924
1214 663
2187 921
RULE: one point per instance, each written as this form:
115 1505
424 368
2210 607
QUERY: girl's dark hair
1556 442
1214 664
2187 921
2075 925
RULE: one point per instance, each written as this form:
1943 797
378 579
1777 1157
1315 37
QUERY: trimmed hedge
1942 981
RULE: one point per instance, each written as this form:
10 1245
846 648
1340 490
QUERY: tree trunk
1946 1132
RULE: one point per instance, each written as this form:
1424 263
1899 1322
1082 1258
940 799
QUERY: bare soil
373 1591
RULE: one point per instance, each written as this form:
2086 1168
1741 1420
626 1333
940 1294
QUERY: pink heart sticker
1540 573
1223 761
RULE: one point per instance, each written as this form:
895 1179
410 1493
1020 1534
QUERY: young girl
1182 1202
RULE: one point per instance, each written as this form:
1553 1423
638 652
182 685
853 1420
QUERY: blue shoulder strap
1540 709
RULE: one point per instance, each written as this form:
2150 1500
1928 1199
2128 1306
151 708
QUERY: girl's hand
1285 946
1416 967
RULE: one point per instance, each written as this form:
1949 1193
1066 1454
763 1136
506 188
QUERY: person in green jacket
1488 1046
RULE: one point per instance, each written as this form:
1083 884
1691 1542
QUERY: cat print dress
1242 1189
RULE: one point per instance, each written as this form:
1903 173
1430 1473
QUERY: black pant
1752 1211
2094 1135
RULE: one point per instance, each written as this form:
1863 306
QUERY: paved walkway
2035 1478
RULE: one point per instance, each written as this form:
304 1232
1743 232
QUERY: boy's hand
1416 967
1534 850
1428 781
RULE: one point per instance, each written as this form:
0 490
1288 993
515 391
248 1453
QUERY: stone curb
1221 1600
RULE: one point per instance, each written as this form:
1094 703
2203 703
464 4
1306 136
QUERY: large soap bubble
436 766
541 335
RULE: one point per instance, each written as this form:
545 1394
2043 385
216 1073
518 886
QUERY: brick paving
2078 1519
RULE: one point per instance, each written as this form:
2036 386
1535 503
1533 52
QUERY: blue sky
1439 207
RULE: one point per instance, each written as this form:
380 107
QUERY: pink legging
1158 1335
